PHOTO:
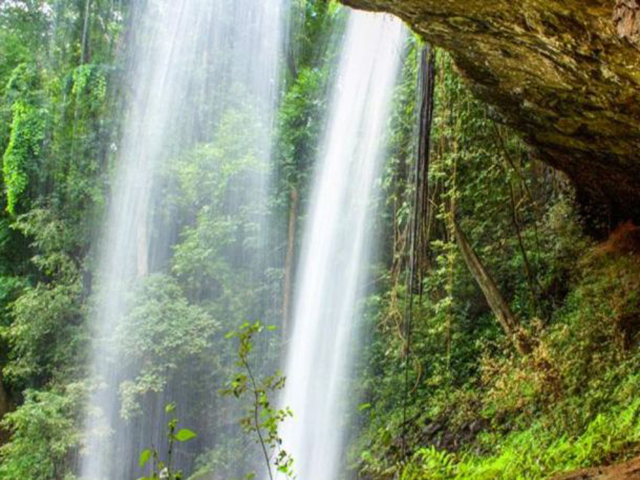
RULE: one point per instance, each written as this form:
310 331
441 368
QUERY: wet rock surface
439 434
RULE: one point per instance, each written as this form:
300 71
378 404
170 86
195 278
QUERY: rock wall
565 73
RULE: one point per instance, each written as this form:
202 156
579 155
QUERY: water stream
337 245
188 62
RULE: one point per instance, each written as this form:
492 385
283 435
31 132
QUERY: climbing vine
26 136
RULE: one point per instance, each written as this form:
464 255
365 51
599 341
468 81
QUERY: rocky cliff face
564 73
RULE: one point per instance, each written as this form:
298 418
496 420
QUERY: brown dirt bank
625 471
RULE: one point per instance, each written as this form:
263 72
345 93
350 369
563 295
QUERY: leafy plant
163 469
44 430
262 419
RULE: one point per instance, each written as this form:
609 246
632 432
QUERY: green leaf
184 435
170 407
145 455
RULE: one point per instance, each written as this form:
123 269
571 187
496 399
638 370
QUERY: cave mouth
563 75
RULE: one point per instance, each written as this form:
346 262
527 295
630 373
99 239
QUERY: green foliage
262 419
27 134
46 331
42 317
314 28
54 139
90 82
44 430
162 332
53 242
313 24
161 469
223 219
300 117
537 452
571 403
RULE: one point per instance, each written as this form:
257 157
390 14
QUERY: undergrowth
574 402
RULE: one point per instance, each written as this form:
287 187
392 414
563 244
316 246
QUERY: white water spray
189 60
337 246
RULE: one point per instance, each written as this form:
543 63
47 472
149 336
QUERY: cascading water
189 61
337 246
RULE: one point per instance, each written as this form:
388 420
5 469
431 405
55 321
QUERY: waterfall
187 62
337 246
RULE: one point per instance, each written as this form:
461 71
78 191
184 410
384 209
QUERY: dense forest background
448 388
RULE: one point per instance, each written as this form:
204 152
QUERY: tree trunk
288 263
4 401
84 54
498 305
